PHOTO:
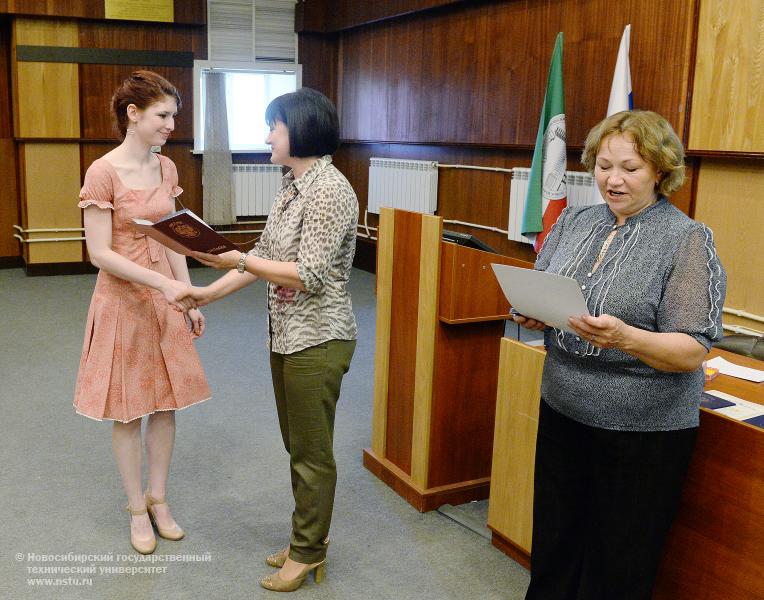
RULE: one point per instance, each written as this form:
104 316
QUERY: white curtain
217 172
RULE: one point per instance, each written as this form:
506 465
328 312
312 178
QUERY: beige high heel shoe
142 546
174 534
276 584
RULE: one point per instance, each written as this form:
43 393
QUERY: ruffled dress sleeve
98 188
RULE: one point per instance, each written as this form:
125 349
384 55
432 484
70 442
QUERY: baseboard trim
520 556
11 262
65 268
425 500
365 255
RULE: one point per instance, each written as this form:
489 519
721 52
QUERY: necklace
604 249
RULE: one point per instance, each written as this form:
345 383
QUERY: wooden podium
440 319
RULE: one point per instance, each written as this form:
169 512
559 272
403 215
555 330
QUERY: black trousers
603 504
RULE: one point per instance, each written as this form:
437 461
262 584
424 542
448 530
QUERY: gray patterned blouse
313 222
661 273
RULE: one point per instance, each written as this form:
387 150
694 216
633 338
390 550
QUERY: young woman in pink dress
138 357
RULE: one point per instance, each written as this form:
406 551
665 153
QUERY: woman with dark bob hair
305 254
620 396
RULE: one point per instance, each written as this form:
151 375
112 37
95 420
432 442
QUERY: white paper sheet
543 296
728 368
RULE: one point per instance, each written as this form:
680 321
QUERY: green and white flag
547 194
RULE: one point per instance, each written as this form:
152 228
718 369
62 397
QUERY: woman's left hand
197 322
605 331
225 261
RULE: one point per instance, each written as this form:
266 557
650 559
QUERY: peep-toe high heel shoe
174 534
276 584
143 546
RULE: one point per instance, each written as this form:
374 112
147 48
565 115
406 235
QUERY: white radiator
406 184
254 188
581 192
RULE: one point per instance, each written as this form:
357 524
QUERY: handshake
184 297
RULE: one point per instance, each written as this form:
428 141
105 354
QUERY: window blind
249 30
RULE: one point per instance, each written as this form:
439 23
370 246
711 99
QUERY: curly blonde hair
654 140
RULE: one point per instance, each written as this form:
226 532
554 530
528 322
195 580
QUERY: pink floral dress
138 356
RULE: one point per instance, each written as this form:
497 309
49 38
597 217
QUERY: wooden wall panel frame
728 90
729 200
36 84
52 186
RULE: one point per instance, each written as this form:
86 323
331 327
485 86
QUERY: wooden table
716 547
715 550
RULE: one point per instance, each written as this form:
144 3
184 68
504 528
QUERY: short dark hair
311 118
141 88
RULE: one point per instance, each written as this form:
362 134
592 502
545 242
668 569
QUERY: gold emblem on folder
185 230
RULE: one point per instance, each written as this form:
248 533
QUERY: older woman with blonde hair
620 396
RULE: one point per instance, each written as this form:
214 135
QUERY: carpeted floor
62 502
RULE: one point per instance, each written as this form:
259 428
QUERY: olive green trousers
307 386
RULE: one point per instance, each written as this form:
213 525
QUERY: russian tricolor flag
620 92
621 97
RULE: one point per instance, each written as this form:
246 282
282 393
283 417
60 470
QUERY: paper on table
741 410
727 368
543 296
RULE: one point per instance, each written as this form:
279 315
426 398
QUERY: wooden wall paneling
382 338
6 101
9 199
463 401
37 83
403 339
684 198
485 65
140 36
98 85
92 9
404 86
728 93
427 322
729 201
185 11
192 12
324 16
52 185
319 57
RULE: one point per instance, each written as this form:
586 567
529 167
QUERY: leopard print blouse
313 222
